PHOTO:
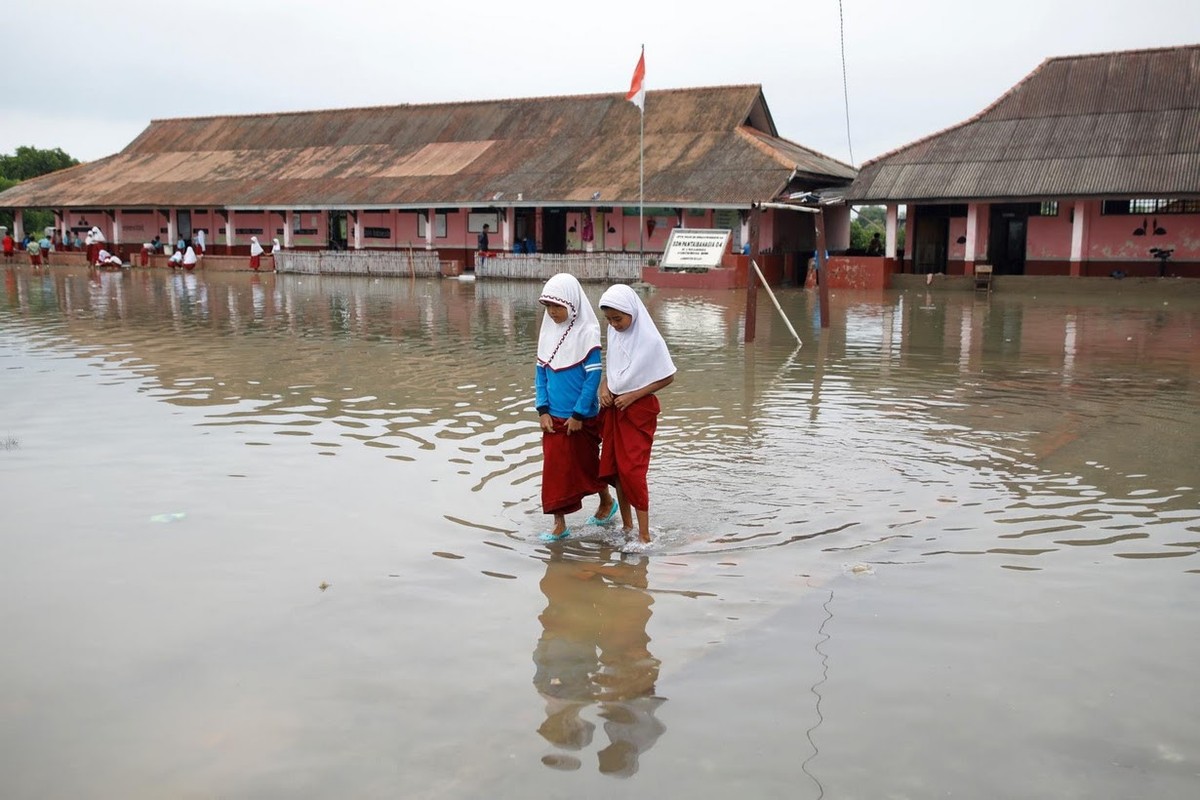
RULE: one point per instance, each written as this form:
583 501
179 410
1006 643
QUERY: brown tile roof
1106 124
713 145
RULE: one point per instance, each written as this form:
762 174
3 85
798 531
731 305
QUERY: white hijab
97 235
275 246
637 356
103 255
200 238
256 249
568 344
190 256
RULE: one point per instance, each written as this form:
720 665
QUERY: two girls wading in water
577 407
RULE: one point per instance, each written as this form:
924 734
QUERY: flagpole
642 170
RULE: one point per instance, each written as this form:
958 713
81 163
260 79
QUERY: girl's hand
624 401
574 425
606 397
547 423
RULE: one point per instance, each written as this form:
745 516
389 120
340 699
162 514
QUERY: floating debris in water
9 443
171 516
858 569
323 586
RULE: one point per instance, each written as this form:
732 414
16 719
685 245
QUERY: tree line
23 164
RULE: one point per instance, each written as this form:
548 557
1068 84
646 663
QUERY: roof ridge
1135 51
445 103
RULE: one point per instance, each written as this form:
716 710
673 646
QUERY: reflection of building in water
594 650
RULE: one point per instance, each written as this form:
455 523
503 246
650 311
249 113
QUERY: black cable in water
824 676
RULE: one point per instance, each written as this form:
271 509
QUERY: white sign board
695 247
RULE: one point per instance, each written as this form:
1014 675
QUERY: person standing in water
639 365
256 251
566 379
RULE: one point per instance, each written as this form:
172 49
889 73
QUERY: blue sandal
593 520
550 537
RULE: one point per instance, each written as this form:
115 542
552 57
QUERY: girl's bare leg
606 504
626 509
560 524
643 518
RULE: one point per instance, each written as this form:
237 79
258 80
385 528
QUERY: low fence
608 267
400 263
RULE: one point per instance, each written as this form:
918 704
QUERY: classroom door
554 230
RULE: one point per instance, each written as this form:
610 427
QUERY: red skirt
570 466
628 437
255 261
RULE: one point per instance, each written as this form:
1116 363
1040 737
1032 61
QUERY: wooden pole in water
751 278
822 277
775 302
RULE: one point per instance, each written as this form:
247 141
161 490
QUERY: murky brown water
947 548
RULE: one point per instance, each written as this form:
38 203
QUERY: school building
1090 166
552 175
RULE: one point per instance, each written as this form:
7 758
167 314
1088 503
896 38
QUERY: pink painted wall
1049 237
1111 238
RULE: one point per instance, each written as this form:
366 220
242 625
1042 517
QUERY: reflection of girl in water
594 649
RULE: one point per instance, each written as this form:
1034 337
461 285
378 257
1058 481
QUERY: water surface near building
276 535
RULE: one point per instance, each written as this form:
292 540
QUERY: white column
229 228
116 237
18 224
972 233
172 227
745 237
289 219
430 225
510 220
591 246
889 248
1079 215
65 227
358 226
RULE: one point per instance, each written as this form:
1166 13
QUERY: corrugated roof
1110 124
712 145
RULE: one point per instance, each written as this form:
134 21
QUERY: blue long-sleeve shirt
570 392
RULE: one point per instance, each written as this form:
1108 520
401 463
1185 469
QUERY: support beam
430 226
19 224
889 247
910 220
289 222
508 226
358 229
1078 234
173 227
229 235
972 234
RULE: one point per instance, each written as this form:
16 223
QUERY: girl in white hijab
189 259
200 242
639 364
276 249
256 251
566 378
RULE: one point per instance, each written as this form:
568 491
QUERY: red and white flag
637 87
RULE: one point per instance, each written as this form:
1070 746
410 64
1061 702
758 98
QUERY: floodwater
277 537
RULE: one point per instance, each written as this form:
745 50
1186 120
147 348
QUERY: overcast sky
89 76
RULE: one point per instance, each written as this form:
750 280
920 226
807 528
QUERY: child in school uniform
567 377
638 365
256 251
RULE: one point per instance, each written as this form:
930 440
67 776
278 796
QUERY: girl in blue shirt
567 381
